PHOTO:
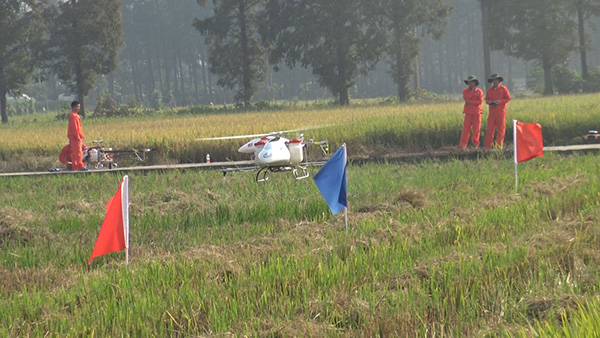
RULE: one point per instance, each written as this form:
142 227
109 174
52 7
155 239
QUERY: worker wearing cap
473 97
75 135
497 97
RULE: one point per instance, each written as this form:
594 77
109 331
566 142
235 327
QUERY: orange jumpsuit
472 113
75 134
65 154
497 115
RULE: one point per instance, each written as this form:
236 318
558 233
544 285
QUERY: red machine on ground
97 156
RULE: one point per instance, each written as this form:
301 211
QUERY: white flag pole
516 163
125 211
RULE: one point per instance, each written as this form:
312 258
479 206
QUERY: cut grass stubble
437 248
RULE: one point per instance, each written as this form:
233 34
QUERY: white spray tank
296 154
93 155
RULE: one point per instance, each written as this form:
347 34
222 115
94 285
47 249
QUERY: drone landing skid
303 174
262 175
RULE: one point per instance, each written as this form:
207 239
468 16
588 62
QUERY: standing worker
75 134
473 97
497 97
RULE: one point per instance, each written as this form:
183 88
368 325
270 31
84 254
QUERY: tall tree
494 30
338 39
235 52
585 9
400 19
20 28
485 30
541 31
84 43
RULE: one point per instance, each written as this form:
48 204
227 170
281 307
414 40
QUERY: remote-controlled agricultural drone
271 152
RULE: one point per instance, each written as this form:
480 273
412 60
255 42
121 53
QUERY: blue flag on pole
331 181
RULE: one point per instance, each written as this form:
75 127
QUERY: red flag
111 237
529 143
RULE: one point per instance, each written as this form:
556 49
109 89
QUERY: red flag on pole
114 233
528 142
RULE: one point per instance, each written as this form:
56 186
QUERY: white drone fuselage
274 151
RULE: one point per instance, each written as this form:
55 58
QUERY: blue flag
331 181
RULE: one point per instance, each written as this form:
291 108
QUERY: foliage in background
236 54
21 29
107 107
592 85
163 52
565 80
541 31
337 39
400 21
584 10
20 107
84 42
157 100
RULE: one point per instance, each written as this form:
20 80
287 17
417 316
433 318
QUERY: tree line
336 39
339 39
75 40
200 52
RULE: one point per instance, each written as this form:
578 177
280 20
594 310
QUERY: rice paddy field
34 142
435 248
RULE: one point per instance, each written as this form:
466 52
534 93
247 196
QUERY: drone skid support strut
262 175
299 172
304 172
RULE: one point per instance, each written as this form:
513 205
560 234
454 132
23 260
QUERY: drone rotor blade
232 137
301 129
274 133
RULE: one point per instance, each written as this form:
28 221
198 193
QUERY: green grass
585 322
434 249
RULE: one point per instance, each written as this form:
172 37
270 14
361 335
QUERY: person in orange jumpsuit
473 97
497 97
75 134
